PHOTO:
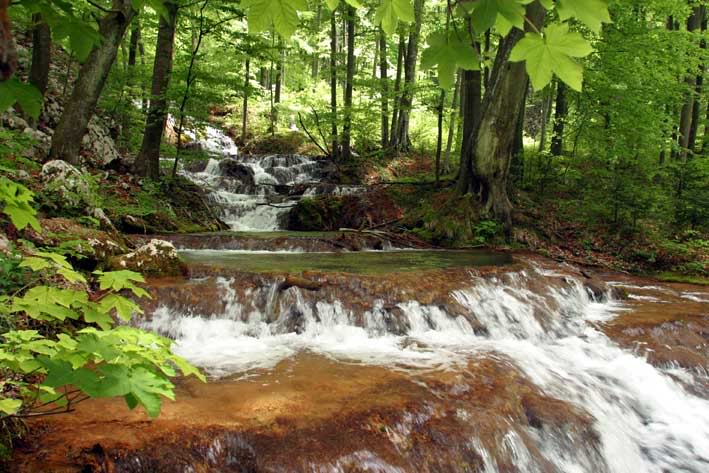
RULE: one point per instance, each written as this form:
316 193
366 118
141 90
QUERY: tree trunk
546 113
333 86
693 23
397 88
501 109
66 142
315 71
452 124
245 108
8 52
147 163
517 162
402 141
41 46
439 139
349 84
557 140
696 110
384 80
472 113
130 82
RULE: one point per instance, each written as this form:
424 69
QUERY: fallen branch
312 138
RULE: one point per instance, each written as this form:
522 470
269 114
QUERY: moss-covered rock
156 258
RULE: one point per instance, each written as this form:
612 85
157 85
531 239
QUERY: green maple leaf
504 14
125 308
282 14
552 54
592 13
10 406
448 53
390 12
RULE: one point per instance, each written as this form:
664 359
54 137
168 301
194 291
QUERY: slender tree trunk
147 163
557 140
693 23
41 46
696 110
245 108
190 79
453 126
407 97
546 113
315 71
517 162
501 110
349 87
439 139
279 83
130 82
384 81
66 142
333 86
397 89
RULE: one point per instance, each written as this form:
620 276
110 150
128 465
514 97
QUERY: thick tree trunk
66 142
245 107
402 141
349 84
148 161
557 140
472 113
333 86
495 136
453 126
397 88
41 46
384 80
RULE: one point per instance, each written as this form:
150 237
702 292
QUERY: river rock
4 244
239 171
158 257
99 143
198 165
67 182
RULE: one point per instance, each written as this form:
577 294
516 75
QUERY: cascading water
255 193
546 324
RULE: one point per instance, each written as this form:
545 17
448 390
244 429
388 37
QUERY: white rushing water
645 419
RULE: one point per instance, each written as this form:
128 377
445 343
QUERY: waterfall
645 420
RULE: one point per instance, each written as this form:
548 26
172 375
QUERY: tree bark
397 88
349 84
495 136
8 52
130 82
557 140
439 139
66 142
384 80
402 141
472 113
453 126
245 108
147 163
333 86
41 48
693 23
696 110
546 112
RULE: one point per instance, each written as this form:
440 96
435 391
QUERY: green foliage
449 53
551 54
26 96
38 367
391 12
16 202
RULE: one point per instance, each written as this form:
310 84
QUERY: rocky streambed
522 365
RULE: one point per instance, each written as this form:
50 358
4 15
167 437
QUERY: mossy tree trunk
66 142
495 135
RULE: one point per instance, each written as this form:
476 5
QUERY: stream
395 360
